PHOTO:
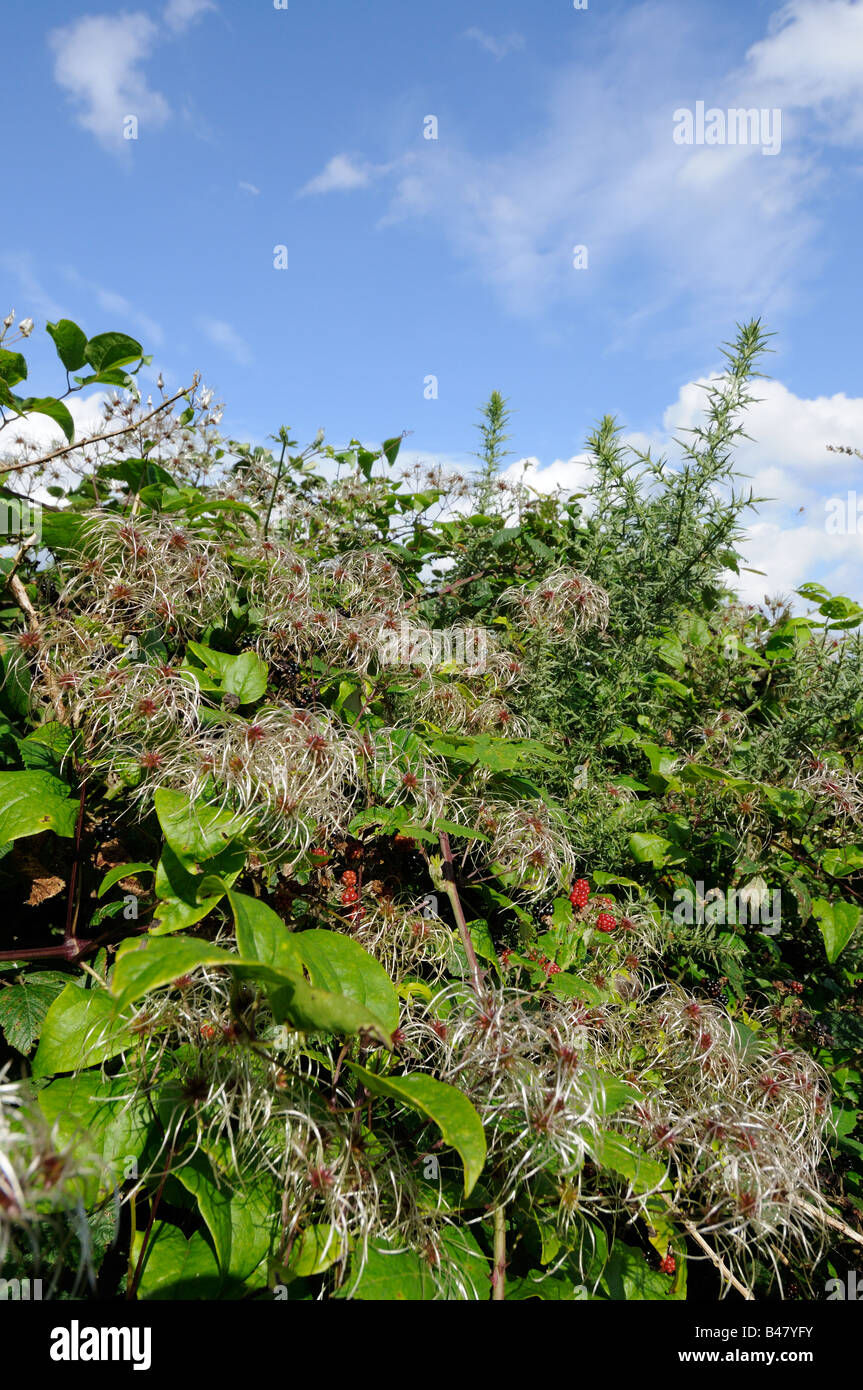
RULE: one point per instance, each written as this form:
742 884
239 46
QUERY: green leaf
316 1011
121 871
43 750
111 350
95 1113
390 448
650 849
317 1248
628 1277
175 882
31 802
24 1005
262 935
154 961
642 1173
398 1276
837 923
70 342
239 1221
445 1106
246 678
174 1267
838 863
54 409
13 367
81 1028
339 964
195 831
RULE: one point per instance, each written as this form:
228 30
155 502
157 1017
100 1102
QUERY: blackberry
541 911
716 990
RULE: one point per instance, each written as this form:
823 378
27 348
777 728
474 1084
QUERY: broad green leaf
81 1028
316 1248
837 923
262 935
154 961
611 1094
629 1277
643 1174
339 964
112 350
120 872
239 1221
174 879
174 1267
70 342
195 831
23 1006
650 849
31 802
95 1112
317 1011
246 678
391 1275
838 863
445 1106
172 914
43 750
54 409
13 367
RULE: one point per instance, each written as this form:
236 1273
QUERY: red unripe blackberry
668 1265
580 893
605 922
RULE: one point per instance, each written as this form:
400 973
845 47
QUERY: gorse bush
385 846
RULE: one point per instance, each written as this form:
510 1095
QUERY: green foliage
306 985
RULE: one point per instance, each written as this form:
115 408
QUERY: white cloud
341 174
498 48
98 62
703 224
248 187
180 14
813 57
788 462
223 335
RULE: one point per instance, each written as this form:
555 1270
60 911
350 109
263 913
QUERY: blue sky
409 257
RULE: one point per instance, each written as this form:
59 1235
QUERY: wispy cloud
179 15
128 316
705 223
99 61
497 47
249 187
223 335
341 174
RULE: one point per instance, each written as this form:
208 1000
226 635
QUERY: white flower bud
25 328
9 319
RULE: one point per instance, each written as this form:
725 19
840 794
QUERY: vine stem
711 1254
97 438
833 1221
498 1277
458 912
275 487
132 1288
